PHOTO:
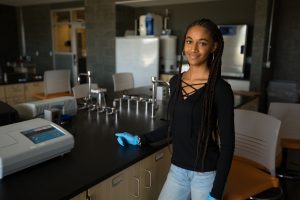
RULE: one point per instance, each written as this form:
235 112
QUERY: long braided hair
214 65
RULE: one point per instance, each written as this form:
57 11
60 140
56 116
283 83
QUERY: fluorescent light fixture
145 3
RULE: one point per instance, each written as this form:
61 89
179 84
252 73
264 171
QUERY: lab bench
97 162
95 157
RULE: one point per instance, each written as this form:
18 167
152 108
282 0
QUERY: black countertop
16 78
95 157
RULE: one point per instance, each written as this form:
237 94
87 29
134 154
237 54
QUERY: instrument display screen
42 134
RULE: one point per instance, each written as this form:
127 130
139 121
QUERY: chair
253 167
81 93
122 81
289 135
82 90
56 83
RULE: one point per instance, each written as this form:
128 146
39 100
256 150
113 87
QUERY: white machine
30 142
167 51
150 24
30 110
141 59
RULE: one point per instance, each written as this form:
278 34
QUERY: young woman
201 120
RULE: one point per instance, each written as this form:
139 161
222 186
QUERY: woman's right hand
127 138
210 197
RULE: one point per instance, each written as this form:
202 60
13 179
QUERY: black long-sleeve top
185 126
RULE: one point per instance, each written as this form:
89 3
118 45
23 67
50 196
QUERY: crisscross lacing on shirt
186 86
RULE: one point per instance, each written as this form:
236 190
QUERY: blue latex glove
210 197
127 138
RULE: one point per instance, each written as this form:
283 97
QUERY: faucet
155 84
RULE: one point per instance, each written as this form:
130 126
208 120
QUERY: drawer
2 93
14 90
15 100
33 88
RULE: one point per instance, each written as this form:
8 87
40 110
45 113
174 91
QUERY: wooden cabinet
14 93
81 196
100 191
2 94
154 171
118 186
20 92
134 182
141 181
162 161
147 178
31 89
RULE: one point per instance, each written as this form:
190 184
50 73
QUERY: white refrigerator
138 55
233 59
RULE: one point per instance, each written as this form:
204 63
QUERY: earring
213 57
182 53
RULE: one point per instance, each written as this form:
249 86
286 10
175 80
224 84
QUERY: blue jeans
182 184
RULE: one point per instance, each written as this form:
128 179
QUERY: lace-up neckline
190 89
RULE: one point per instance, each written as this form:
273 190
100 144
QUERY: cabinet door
14 93
162 161
33 88
2 94
14 90
118 187
15 100
134 182
100 191
147 179
81 196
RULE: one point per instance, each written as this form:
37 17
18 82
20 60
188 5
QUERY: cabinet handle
138 188
159 156
150 177
115 181
88 196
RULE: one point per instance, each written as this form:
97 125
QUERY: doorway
69 41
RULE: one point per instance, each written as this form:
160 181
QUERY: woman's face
198 45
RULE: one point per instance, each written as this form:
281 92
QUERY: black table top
8 114
95 157
17 78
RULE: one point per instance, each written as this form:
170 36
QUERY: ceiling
132 3
32 2
144 3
